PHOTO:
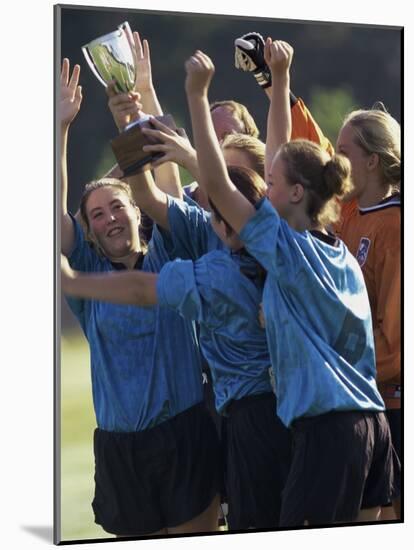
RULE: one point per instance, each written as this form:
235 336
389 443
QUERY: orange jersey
305 127
373 236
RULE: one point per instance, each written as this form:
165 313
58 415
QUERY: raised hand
200 71
143 82
278 55
125 107
70 93
176 148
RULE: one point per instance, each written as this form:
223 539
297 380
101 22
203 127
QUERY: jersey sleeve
188 237
177 288
270 240
304 126
82 258
387 332
200 290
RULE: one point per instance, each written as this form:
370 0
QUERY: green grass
77 426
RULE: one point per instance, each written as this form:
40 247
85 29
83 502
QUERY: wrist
263 77
197 95
281 78
145 89
191 163
64 128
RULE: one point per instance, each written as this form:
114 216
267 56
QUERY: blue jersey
318 320
191 234
223 294
145 362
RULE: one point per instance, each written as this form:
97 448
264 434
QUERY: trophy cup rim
106 36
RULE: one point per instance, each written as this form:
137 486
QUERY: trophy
111 58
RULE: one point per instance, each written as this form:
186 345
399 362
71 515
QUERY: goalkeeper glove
249 56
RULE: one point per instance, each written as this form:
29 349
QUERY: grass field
77 426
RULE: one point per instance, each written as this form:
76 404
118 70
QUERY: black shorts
219 422
157 478
210 398
342 462
394 420
258 462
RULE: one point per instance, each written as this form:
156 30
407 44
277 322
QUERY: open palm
143 80
70 93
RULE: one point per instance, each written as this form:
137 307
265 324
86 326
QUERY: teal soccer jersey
222 292
191 234
145 362
318 320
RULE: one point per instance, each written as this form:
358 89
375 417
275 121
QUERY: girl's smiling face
113 222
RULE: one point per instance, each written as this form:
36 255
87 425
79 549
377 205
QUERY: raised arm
69 105
278 56
125 108
152 200
213 175
120 287
249 57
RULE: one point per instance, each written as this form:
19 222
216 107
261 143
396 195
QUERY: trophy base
127 147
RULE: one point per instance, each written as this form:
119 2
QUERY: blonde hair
252 146
376 131
99 184
325 179
240 112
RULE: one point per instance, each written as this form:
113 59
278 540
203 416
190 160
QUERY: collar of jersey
138 264
392 200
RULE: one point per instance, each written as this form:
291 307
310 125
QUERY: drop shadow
44 532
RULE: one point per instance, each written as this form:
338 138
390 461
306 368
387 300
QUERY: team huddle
274 277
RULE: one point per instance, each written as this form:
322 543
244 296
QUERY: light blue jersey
191 234
318 320
145 362
223 294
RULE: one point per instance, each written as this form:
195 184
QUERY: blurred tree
361 60
104 162
329 107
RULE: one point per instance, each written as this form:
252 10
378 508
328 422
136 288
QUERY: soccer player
316 308
222 292
157 454
370 139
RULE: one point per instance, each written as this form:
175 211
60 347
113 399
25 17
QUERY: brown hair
250 185
376 131
99 184
252 146
241 112
324 178
253 187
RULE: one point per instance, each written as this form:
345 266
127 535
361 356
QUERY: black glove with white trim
249 57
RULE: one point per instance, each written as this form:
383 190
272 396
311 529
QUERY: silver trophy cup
112 58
